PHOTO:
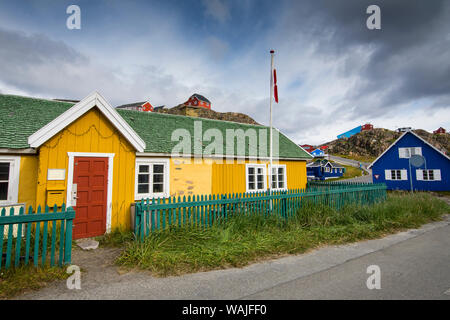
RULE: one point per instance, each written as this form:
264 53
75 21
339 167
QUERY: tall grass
244 239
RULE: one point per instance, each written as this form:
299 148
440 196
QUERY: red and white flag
275 88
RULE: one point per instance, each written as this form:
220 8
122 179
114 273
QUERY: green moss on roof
21 116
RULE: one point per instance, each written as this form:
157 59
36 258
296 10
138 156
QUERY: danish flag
275 88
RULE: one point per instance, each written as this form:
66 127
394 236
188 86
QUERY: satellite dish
417 160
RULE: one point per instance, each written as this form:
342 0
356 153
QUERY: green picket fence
23 234
202 211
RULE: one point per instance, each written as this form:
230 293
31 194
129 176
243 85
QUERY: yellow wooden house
100 160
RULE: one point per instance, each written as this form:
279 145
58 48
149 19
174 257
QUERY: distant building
404 129
394 166
197 100
350 133
324 148
309 148
366 127
317 153
323 169
144 106
440 130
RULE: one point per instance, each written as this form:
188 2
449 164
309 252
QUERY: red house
366 127
323 148
309 148
440 130
197 100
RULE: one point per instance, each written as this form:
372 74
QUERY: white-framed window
408 152
278 177
396 174
9 179
428 175
327 169
152 178
255 177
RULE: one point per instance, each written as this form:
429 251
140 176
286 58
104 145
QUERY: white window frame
13 179
327 169
166 183
276 166
255 165
436 174
405 153
403 175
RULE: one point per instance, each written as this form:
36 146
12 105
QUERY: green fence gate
36 236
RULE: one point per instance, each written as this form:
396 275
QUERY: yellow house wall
28 180
230 178
92 132
188 178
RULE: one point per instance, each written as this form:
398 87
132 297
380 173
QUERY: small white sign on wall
56 174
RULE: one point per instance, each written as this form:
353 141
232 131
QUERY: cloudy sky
333 72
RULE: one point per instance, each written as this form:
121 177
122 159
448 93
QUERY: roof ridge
197 118
34 98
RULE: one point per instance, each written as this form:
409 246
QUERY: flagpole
272 52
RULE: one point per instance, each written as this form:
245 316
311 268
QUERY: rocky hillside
209 114
373 143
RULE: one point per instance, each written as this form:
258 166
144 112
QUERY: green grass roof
21 116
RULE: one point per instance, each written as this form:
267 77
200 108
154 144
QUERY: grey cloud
408 59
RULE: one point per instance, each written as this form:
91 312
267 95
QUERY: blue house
318 153
411 163
323 169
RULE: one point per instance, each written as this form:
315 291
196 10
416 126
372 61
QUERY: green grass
357 158
246 239
15 281
350 172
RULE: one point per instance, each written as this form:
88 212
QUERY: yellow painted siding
92 132
230 178
28 180
188 178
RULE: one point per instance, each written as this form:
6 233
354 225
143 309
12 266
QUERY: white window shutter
419 175
437 174
404 174
387 175
401 153
418 150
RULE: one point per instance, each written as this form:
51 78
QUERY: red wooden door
91 176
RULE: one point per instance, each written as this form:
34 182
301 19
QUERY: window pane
157 187
159 178
260 178
143 188
143 178
274 185
251 178
280 184
280 170
274 170
4 171
251 186
143 168
251 170
158 168
260 170
431 175
280 177
3 191
260 185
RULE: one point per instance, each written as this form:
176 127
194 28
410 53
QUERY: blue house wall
391 160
